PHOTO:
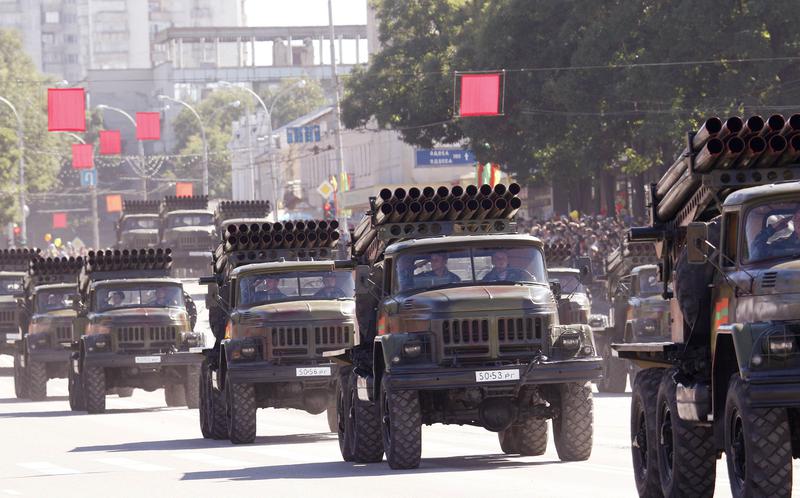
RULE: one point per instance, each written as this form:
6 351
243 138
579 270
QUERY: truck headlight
781 345
248 351
412 349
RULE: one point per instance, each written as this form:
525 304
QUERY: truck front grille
307 341
139 338
482 338
194 242
332 338
8 316
63 333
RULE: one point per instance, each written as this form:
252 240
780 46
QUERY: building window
48 39
52 17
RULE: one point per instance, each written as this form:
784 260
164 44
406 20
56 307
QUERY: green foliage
19 84
293 99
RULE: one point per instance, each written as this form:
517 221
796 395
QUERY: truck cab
137 230
187 226
647 317
11 288
574 300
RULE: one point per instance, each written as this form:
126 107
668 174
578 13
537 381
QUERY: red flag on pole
183 189
110 143
480 94
59 220
148 126
66 109
113 203
82 156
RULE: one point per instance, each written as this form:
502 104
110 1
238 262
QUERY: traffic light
330 210
17 231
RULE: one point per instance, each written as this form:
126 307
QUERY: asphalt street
140 448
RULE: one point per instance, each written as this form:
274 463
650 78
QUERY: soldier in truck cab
439 274
267 289
501 271
764 246
329 290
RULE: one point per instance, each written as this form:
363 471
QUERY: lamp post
338 122
268 115
21 146
93 193
202 136
141 144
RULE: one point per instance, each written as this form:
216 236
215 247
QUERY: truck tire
94 389
644 435
124 392
401 425
508 441
531 436
20 389
615 375
362 426
687 457
241 401
191 387
757 445
36 380
204 412
77 402
343 419
573 427
330 412
174 395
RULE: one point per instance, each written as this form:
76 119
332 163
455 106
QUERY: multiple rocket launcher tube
281 235
733 144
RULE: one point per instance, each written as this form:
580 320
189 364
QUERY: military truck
724 218
187 226
458 325
138 225
638 312
279 302
133 329
571 274
46 316
13 265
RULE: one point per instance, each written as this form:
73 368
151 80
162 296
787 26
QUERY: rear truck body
476 341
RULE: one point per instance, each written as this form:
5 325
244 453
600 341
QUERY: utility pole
338 123
93 194
143 165
22 187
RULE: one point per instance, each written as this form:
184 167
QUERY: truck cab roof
189 211
639 269
135 281
750 194
46 287
561 269
281 266
445 241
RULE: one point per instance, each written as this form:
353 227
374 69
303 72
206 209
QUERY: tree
293 99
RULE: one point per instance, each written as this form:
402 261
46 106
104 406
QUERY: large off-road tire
77 402
531 435
36 380
174 395
20 389
757 445
241 401
361 428
401 425
644 435
94 389
573 427
687 457
615 373
218 410
205 407
508 441
191 387
124 392
343 419
331 410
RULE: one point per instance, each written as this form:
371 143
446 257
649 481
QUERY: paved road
141 448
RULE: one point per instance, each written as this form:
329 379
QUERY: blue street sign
300 134
433 158
88 177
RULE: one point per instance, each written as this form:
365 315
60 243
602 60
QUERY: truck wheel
213 412
20 389
174 395
205 411
36 380
191 387
757 445
94 389
508 441
241 400
644 436
363 428
573 428
615 375
687 457
531 436
77 402
343 421
330 412
124 392
401 424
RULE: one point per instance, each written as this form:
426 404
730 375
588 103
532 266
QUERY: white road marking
213 460
12 492
131 464
47 468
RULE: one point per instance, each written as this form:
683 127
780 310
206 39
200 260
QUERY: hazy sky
304 12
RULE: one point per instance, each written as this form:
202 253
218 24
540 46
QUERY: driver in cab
501 271
763 245
267 289
438 274
329 288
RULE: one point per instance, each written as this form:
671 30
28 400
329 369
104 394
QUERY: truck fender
723 365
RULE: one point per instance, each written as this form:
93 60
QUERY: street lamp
202 135
21 146
268 115
93 192
141 144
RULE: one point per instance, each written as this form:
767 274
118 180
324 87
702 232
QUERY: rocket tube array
133 259
281 235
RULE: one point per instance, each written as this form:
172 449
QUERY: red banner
110 143
82 156
480 94
66 109
113 203
148 126
59 220
183 189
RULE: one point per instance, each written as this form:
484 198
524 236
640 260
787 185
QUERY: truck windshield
54 299
190 220
10 285
569 282
140 223
649 284
139 296
425 269
286 286
771 231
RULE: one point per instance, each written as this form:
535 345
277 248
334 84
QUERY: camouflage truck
457 324
638 313
46 316
279 301
725 219
571 274
13 265
133 329
187 226
138 225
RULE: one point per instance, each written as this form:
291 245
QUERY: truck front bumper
256 372
145 362
50 355
550 372
774 389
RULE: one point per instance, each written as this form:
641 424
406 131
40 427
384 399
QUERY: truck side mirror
555 288
207 280
696 243
362 279
584 265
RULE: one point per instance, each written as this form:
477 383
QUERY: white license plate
14 336
198 253
314 372
147 359
496 375
196 349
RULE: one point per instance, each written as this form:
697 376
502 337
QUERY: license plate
198 253
496 375
314 372
147 359
196 349
14 336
